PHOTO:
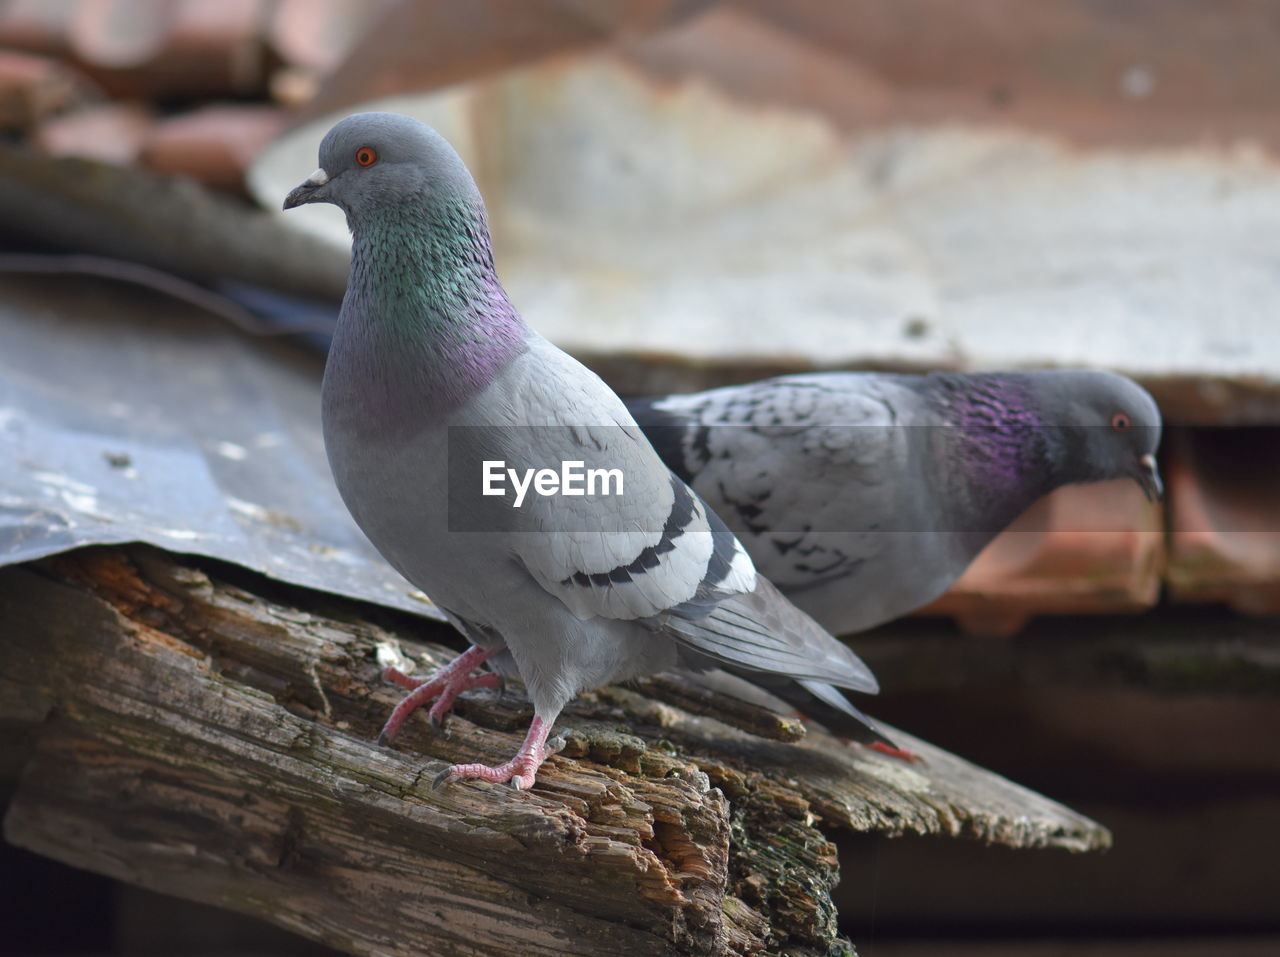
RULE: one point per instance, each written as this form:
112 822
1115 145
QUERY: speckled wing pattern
821 447
657 552
654 549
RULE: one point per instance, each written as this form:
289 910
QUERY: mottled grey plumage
863 496
432 372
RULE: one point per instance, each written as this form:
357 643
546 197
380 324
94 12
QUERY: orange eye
366 156
1120 422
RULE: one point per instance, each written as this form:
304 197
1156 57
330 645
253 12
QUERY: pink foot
446 684
520 770
451 692
901 754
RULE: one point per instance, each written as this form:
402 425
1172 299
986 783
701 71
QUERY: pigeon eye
366 156
1120 422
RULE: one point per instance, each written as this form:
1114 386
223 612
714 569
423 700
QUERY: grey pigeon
432 374
863 496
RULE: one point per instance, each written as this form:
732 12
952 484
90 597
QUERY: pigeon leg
447 683
451 692
520 770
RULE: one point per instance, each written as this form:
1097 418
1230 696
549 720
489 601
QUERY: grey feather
433 373
863 496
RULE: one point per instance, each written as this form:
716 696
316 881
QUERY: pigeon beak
308 190
1148 477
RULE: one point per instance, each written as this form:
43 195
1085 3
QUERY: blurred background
687 193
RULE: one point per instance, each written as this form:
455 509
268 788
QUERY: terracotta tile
37 25
171 48
1079 49
312 37
1224 516
420 46
119 34
316 34
112 132
213 144
758 62
1099 73
292 86
227 39
1083 549
33 87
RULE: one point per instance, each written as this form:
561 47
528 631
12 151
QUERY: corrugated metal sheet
127 416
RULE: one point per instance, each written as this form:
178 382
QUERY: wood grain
203 740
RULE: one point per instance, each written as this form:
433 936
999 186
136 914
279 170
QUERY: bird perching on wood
432 377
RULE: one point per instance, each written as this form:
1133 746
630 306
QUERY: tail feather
762 631
812 699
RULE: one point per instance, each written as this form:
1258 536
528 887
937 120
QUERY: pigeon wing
655 552
800 467
648 547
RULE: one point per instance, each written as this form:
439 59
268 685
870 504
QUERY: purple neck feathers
1004 453
424 304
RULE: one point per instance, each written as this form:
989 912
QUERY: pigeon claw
523 782
397 676
521 772
449 682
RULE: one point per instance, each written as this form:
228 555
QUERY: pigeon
455 432
863 496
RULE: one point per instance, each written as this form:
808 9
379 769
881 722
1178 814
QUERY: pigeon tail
764 632
810 700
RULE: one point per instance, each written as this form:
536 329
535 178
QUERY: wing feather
653 549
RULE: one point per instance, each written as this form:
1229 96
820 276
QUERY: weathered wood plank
198 739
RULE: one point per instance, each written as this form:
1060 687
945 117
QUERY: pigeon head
373 162
1111 423
424 303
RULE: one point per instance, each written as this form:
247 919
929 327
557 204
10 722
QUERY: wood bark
215 741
